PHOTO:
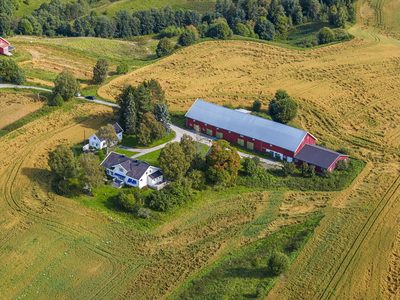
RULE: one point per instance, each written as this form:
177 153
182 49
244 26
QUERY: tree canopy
173 161
283 108
66 84
223 162
62 162
111 139
100 71
93 173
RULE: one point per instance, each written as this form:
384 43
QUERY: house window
121 170
94 137
141 179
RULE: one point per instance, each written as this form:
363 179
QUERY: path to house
179 132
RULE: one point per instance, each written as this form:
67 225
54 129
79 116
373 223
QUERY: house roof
264 130
135 168
156 174
318 156
118 128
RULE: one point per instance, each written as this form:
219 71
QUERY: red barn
5 47
255 133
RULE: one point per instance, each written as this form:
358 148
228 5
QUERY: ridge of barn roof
261 129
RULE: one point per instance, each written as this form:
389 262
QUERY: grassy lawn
179 120
131 141
126 152
151 158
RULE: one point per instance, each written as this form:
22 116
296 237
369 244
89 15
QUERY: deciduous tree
278 263
122 68
288 168
283 108
188 146
109 135
100 71
164 47
62 162
222 158
257 105
66 84
93 173
173 162
249 166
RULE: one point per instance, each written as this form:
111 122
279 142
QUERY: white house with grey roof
98 142
132 172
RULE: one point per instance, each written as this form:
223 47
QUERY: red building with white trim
255 133
5 47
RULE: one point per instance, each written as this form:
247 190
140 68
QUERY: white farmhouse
132 172
98 142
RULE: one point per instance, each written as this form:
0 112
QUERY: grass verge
126 152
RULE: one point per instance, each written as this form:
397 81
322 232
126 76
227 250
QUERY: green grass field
126 152
131 141
133 5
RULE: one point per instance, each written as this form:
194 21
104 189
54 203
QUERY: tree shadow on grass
41 177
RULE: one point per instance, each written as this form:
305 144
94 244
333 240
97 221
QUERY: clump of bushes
278 263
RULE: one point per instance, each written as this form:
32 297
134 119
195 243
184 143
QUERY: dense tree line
252 18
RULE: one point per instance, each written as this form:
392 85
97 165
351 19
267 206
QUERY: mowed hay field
14 107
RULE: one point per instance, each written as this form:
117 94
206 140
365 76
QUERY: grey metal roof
264 130
135 168
317 156
117 128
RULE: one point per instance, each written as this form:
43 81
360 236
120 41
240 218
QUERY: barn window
190 124
284 156
253 139
203 129
205 124
296 160
270 145
241 135
229 131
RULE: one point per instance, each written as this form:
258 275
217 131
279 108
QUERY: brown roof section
318 156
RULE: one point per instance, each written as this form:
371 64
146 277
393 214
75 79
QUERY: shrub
283 108
265 29
325 35
278 263
249 166
307 170
219 30
164 47
187 38
18 76
256 105
63 188
341 165
123 68
56 100
344 150
326 174
128 201
288 168
160 201
171 31
256 160
143 213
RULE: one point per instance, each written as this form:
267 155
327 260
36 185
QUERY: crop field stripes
389 196
69 234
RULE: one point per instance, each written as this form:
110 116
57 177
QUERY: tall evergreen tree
122 101
142 101
130 115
